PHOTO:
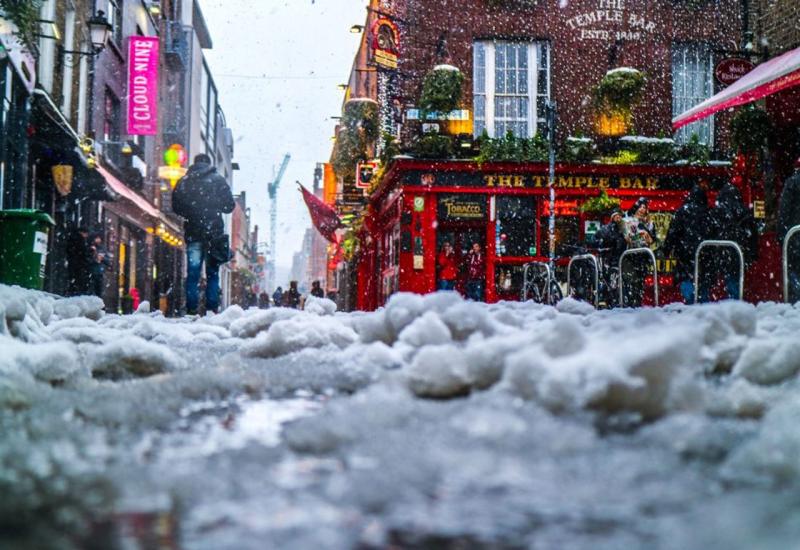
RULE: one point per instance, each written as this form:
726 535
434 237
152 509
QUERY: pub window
115 18
111 117
511 86
692 83
516 226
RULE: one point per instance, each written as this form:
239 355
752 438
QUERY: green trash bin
23 247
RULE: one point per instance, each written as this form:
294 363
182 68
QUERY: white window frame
490 91
684 134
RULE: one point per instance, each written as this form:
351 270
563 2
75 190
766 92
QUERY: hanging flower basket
620 89
441 90
750 129
360 115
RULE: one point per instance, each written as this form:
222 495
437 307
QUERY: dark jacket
291 298
277 297
80 258
690 226
317 292
733 221
99 266
611 237
789 216
201 197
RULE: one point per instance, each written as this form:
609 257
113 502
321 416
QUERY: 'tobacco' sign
142 85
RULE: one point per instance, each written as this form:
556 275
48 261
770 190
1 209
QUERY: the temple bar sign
645 183
610 21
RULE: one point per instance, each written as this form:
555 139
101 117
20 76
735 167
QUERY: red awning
771 77
122 189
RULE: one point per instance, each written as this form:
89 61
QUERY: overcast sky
276 64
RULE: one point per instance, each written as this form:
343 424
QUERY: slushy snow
433 422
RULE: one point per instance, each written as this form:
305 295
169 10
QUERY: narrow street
435 423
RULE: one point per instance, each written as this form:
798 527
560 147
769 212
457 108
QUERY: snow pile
300 332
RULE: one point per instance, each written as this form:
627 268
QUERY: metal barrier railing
789 234
632 252
526 280
717 244
593 260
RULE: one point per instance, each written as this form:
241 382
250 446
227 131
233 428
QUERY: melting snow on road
433 423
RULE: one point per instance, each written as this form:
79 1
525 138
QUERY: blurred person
732 221
448 272
639 233
277 297
80 259
201 197
316 290
690 226
101 262
476 273
291 298
788 217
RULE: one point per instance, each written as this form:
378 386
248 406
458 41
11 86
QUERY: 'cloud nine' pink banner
142 86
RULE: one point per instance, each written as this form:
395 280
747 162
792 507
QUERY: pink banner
142 86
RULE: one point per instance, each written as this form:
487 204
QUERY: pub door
461 236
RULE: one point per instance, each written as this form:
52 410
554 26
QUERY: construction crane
272 189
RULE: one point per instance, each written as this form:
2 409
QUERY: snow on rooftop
447 68
623 70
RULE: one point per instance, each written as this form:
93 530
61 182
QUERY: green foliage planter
441 90
433 146
601 205
695 153
511 148
361 115
578 149
357 134
651 150
25 15
619 90
750 129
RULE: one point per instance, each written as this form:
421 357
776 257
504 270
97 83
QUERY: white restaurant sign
611 20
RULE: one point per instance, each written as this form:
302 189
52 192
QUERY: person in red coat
446 261
476 273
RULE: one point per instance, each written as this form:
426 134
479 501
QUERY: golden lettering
565 182
538 181
519 181
489 181
605 183
504 181
652 183
625 183
580 181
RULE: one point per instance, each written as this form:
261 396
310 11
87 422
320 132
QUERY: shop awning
780 73
128 193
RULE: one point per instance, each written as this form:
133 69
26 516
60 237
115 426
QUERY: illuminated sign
385 43
142 86
462 207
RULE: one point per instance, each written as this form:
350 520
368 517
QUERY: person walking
732 221
639 233
100 262
476 273
610 239
277 297
447 267
690 226
316 290
201 197
263 300
79 262
788 217
291 297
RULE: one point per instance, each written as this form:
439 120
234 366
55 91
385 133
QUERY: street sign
731 69
364 173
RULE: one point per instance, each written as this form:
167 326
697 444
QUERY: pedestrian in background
732 221
447 267
263 300
291 298
690 226
316 290
277 297
79 262
100 263
788 217
639 233
476 273
201 197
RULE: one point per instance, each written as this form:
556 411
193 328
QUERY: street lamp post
552 117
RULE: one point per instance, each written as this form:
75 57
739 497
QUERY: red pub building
518 56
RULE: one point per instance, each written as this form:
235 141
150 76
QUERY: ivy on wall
25 15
